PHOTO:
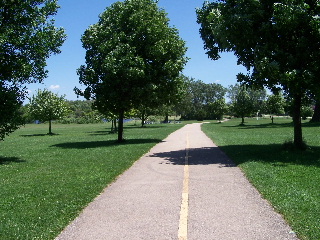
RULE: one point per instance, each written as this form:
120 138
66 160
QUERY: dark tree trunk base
316 114
120 127
298 140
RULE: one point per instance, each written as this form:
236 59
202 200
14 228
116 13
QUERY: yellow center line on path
183 223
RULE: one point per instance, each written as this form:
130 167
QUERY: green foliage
306 111
275 104
245 101
81 112
47 106
27 38
288 179
243 106
46 181
133 58
279 41
201 100
142 113
217 109
10 103
79 108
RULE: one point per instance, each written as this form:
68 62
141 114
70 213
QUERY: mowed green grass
290 180
45 181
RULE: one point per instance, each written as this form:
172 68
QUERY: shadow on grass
265 125
272 125
146 126
274 154
108 131
99 144
196 156
98 133
10 160
39 135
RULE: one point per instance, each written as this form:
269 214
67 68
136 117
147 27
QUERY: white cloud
217 81
54 87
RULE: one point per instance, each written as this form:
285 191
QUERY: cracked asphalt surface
145 201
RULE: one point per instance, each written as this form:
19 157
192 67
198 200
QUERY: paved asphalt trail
184 188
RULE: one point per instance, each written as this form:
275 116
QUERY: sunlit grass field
45 180
290 180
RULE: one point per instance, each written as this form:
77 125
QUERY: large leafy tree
27 38
48 106
133 59
277 41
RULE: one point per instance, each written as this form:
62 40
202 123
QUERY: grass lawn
290 180
45 181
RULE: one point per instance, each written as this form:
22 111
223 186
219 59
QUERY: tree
133 59
217 108
316 113
306 111
27 38
10 103
256 97
200 100
275 104
81 111
278 43
243 106
47 106
142 113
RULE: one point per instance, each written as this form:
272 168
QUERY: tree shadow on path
196 156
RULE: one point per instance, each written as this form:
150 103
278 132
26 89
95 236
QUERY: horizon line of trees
200 101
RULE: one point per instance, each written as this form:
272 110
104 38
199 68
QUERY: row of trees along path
134 58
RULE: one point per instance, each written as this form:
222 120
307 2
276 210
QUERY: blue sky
77 15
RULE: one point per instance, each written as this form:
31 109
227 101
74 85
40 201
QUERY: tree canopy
133 58
277 41
47 106
202 100
10 103
27 38
275 104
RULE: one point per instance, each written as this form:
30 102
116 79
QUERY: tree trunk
242 121
298 141
166 120
50 128
112 126
316 114
115 125
143 119
120 126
